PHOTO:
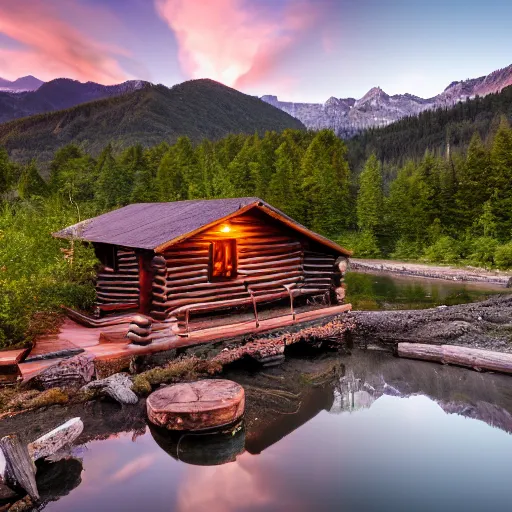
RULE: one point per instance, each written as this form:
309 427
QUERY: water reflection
380 291
363 432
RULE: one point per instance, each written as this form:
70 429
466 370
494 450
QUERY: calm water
381 291
362 432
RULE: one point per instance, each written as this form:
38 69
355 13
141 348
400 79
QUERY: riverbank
484 325
447 272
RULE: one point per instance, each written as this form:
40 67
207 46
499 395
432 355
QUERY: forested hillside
438 208
433 130
199 109
304 173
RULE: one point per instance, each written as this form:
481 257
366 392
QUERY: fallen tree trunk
460 356
54 440
19 472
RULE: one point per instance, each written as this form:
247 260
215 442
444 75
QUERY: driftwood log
73 372
460 356
118 387
19 471
56 439
196 405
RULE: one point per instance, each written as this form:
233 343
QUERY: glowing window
223 259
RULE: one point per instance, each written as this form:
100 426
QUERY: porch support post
146 275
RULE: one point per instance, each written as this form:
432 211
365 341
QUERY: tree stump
197 405
19 472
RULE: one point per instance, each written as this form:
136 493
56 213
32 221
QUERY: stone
141 331
142 321
509 283
54 440
138 340
73 372
199 405
117 386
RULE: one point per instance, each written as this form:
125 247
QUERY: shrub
482 251
444 250
367 246
406 250
503 256
35 276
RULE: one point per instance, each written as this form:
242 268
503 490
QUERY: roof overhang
261 206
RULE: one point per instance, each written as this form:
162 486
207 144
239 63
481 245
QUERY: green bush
406 250
482 251
503 256
35 276
444 250
366 245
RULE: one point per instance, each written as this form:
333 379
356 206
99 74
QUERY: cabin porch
109 342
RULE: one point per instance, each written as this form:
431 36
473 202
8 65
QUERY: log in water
451 354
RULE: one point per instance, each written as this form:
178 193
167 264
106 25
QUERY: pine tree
31 184
501 162
171 184
325 184
114 186
6 172
370 196
243 169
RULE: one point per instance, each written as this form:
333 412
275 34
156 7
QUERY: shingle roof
151 225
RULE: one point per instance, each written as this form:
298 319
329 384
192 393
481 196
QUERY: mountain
149 115
25 83
58 94
347 116
439 131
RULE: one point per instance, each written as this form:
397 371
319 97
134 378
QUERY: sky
299 50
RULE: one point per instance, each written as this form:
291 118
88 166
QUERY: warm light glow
225 229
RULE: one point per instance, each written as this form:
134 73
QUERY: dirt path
451 273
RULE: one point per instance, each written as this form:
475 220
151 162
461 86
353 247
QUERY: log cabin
171 260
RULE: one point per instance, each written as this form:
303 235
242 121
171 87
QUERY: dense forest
437 208
439 131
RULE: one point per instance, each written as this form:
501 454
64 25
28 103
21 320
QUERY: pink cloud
51 46
232 41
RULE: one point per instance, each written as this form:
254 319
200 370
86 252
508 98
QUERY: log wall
119 286
269 256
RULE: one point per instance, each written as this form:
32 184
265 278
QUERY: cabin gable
250 254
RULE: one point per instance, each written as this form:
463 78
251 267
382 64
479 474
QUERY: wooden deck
75 336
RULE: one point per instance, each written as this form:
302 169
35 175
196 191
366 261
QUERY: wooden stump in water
197 405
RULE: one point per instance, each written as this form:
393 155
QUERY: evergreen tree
31 184
114 186
171 184
370 197
325 184
244 168
6 172
501 162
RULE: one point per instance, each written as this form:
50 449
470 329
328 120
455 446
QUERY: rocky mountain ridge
348 116
24 83
59 94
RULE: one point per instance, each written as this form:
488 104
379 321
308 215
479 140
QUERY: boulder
73 372
142 321
199 405
509 283
118 387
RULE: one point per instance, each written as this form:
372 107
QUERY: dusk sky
301 50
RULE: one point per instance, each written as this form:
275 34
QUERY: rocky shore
451 273
485 325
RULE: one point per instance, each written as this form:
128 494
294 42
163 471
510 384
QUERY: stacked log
120 286
269 257
318 271
139 330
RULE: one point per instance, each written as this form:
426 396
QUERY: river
358 432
